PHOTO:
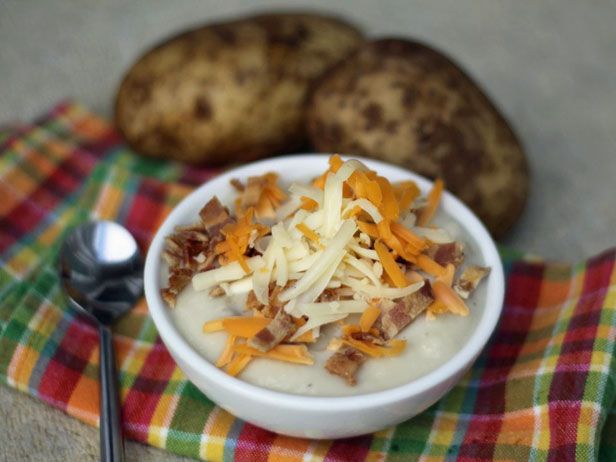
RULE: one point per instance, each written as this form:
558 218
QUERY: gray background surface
549 65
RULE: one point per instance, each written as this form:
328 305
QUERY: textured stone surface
548 65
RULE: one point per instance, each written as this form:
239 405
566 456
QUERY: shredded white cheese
231 272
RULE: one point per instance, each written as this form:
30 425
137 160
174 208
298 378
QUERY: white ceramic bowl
308 416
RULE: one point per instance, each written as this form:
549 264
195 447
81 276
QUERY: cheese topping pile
350 242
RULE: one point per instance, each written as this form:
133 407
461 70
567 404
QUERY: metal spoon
102 273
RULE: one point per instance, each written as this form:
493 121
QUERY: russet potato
229 92
405 103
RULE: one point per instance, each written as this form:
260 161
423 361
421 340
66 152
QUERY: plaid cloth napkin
543 389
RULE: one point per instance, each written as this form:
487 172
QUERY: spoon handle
112 445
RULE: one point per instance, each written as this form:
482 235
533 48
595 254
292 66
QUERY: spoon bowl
101 269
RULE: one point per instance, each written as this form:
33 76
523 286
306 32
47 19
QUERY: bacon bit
308 204
452 252
368 318
238 364
406 192
217 292
310 234
389 265
178 279
169 297
188 251
214 216
227 354
374 336
238 185
345 362
273 306
274 333
348 330
297 354
434 198
448 297
262 193
430 266
470 279
400 313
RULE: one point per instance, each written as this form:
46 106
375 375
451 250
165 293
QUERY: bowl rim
174 340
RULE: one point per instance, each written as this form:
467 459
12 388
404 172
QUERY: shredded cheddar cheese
390 266
310 234
434 197
369 317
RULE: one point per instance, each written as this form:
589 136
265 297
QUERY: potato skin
229 92
405 103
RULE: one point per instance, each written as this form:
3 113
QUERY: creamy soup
430 343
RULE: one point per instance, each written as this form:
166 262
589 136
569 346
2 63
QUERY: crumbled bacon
261 193
252 304
237 184
368 337
190 249
214 216
332 295
272 308
277 330
185 253
400 313
178 279
187 248
443 254
194 232
345 363
168 296
217 292
252 192
172 257
470 279
275 305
